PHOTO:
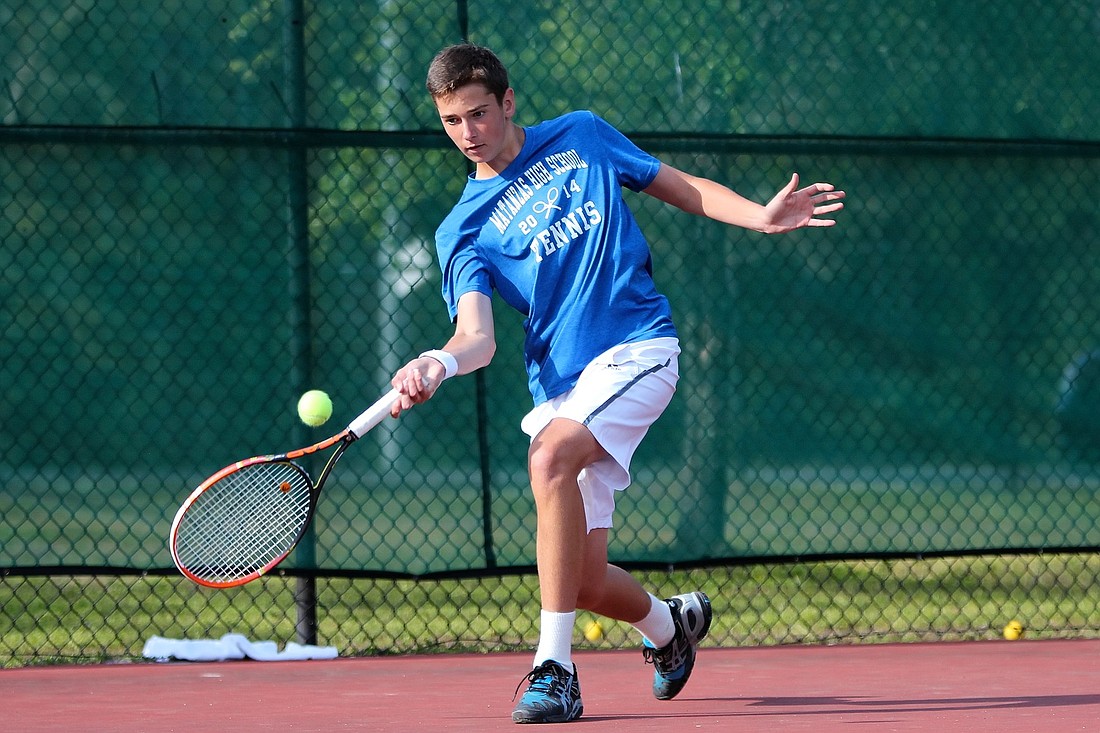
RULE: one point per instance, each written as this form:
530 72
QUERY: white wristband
450 364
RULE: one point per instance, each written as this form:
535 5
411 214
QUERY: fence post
301 332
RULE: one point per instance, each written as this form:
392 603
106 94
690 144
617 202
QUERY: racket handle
375 414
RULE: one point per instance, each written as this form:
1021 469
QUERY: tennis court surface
1007 687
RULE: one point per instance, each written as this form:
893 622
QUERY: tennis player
542 222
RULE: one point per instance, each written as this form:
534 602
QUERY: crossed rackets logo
550 204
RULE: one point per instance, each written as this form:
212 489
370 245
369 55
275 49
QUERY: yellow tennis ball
1013 630
314 408
593 631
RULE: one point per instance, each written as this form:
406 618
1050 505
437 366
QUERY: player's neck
514 139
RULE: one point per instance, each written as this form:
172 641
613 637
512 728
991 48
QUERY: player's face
480 126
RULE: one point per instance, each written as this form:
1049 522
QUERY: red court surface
1006 687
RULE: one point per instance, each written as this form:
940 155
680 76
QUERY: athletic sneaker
554 695
672 664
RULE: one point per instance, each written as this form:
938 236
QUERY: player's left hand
794 208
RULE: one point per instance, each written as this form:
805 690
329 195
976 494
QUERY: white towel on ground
231 646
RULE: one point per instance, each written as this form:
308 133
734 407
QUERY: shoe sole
708 614
550 719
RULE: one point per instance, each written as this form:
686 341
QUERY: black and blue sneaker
672 663
554 695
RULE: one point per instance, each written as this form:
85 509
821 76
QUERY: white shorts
618 396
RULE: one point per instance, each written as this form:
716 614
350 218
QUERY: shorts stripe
608 402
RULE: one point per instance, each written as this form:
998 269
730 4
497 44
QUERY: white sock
657 626
556 638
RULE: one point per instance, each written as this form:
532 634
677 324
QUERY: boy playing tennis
542 221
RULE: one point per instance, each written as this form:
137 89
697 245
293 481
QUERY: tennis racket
246 518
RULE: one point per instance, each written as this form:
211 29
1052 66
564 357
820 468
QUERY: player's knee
561 451
550 462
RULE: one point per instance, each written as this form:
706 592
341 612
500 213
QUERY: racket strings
244 522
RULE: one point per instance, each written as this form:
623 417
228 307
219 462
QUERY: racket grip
376 413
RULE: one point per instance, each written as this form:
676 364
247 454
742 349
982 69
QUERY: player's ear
508 102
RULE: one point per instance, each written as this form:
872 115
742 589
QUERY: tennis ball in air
1013 630
593 631
314 408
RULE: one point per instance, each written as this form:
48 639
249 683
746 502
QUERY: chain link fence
889 430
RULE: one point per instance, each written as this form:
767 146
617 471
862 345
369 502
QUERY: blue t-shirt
554 237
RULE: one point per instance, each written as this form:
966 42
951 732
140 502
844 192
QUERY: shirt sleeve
636 168
462 267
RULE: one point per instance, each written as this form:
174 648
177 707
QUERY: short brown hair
456 66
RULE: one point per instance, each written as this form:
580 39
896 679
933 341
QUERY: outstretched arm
791 208
472 346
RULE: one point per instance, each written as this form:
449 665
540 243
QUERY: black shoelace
545 678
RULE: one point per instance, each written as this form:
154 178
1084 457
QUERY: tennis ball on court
314 408
1013 630
593 631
